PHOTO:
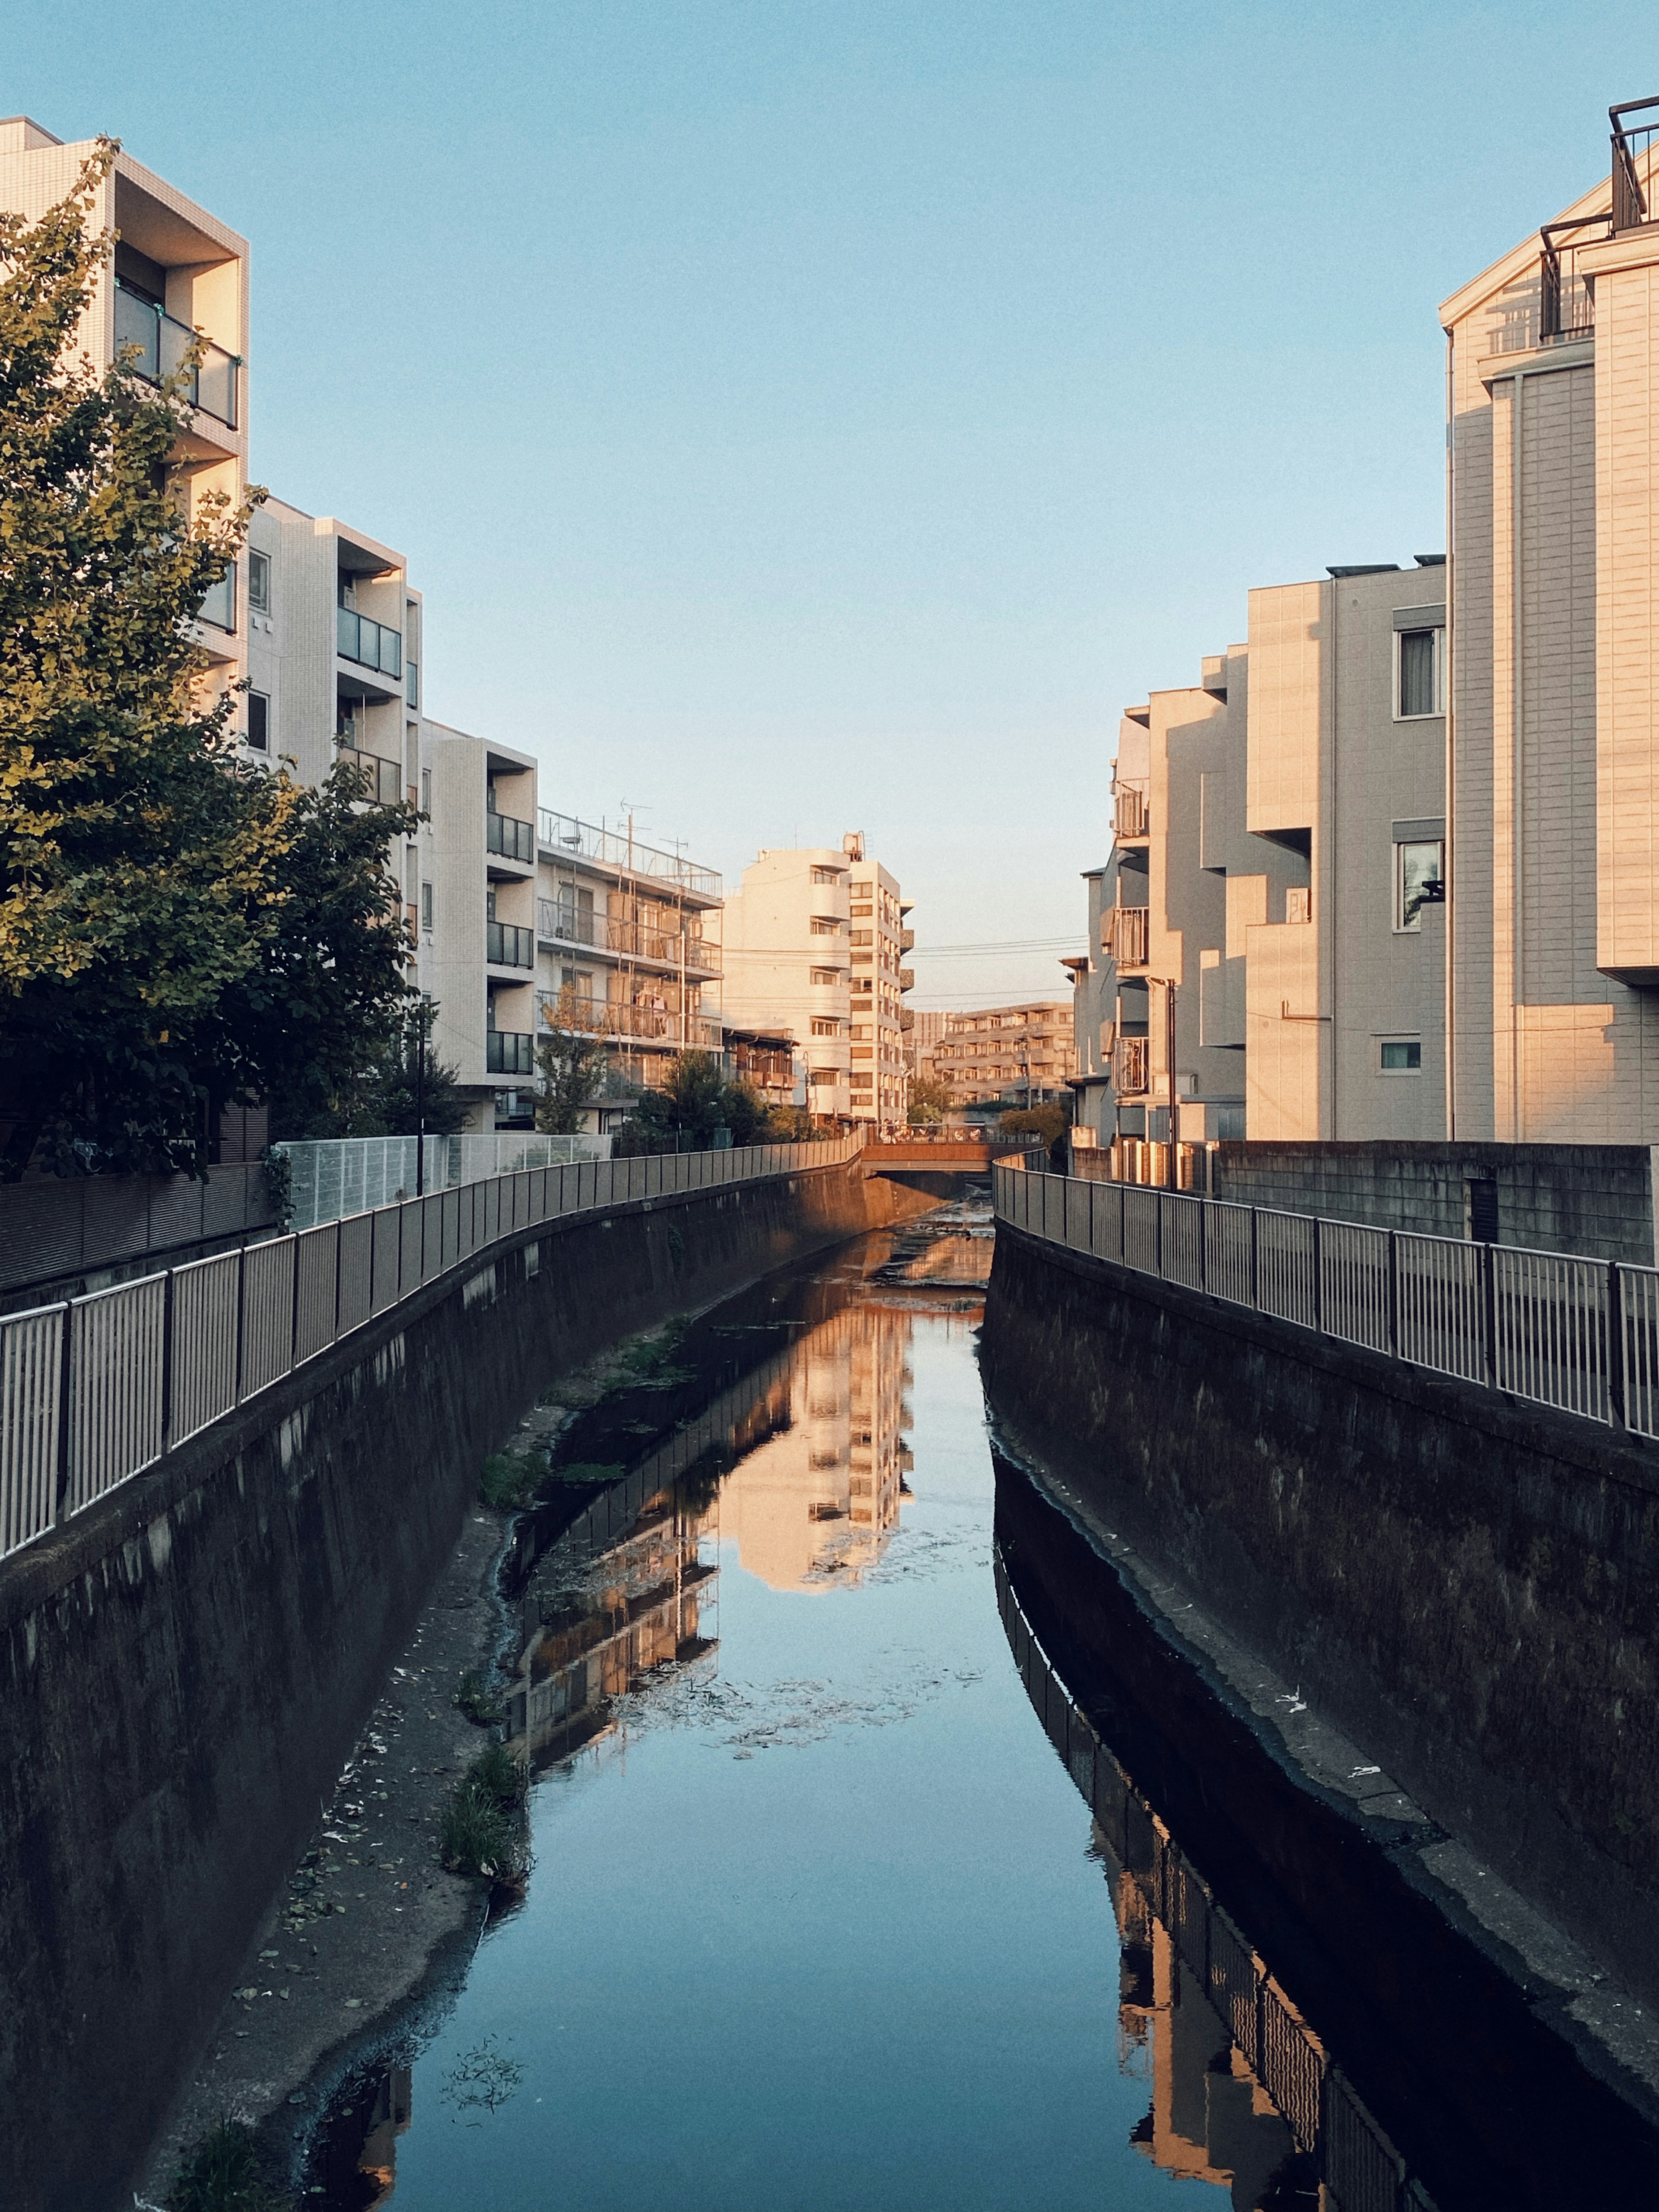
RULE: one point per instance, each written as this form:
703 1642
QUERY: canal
839 1895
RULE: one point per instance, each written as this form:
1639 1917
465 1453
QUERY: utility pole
420 1098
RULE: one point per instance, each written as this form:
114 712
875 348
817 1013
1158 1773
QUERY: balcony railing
1630 143
219 604
1127 934
1129 811
1129 1067
508 947
907 979
511 839
163 345
656 1025
907 940
564 833
572 925
509 1052
566 925
380 781
370 644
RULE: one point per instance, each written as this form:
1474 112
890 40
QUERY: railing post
1393 1295
166 1361
1255 1267
65 1386
1488 1317
1157 1232
241 1304
1203 1206
1617 1414
1318 1276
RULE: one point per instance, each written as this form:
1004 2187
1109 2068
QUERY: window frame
258 580
428 907
262 743
1436 632
1412 927
1385 1045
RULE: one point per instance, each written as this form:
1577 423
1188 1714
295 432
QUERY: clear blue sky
804 418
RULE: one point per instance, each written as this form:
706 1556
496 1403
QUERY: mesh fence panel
115 1395
31 1365
206 1297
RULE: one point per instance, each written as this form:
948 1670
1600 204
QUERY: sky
805 418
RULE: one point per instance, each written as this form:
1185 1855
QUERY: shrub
224 2173
478 1836
477 1700
510 1479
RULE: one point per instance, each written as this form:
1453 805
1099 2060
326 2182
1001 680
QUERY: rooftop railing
96 1390
611 848
1578 1334
163 346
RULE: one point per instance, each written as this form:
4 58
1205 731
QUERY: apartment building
814 946
1553 446
1019 1055
769 1062
1274 910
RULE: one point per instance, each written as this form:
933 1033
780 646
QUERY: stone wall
184 1666
1468 1587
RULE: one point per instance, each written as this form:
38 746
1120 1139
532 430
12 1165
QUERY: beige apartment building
1554 448
1273 903
814 946
1007 1055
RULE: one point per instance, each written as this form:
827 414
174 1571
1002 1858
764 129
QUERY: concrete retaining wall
1470 1588
184 1666
62 1236
1595 1199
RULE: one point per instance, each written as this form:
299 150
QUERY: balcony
1129 811
370 644
907 940
508 947
163 346
509 1052
569 925
1129 1067
654 1024
511 839
563 834
1129 930
218 605
907 1017
907 979
379 780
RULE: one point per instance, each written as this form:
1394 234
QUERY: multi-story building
1019 1056
1273 909
1553 804
769 1062
814 946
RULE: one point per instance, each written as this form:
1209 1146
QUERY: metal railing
94 1391
370 644
1579 1335
507 946
1566 305
1127 934
163 345
1630 144
1130 1063
562 833
512 839
1129 809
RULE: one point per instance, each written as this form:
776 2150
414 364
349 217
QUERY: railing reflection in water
1243 2092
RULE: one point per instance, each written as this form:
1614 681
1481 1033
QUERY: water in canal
817 1917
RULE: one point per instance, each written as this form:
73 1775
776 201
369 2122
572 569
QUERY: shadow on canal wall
186 1664
1468 1586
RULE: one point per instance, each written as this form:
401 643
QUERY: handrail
1556 1329
94 1391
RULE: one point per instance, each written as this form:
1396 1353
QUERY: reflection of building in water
637 1605
812 1506
377 2160
1244 2094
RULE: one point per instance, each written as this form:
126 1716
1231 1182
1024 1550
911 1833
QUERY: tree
177 930
1046 1124
684 1112
930 1101
570 1060
405 1096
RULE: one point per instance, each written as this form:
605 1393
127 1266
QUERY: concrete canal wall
1468 1586
184 1666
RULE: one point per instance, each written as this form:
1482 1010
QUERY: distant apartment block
1016 1056
1266 941
814 945
1553 449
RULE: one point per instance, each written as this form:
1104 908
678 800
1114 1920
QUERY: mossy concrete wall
184 1666
1467 1585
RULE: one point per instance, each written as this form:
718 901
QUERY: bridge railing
94 1391
1579 1335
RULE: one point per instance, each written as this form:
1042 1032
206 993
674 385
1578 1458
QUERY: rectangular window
824 925
826 1027
258 721
1401 1056
826 875
1417 691
826 975
860 890
426 906
1417 882
259 581
426 790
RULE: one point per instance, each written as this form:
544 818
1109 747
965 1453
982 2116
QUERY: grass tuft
478 1835
225 2174
510 1480
474 1698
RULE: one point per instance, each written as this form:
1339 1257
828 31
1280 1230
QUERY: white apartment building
814 946
1274 894
1020 1055
1552 457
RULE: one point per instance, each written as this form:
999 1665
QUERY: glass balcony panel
392 651
215 386
509 1052
138 324
412 682
175 342
345 633
219 606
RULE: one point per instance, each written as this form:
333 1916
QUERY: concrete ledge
1467 1585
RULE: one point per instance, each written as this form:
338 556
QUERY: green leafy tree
930 1101
570 1060
178 931
1045 1125
684 1111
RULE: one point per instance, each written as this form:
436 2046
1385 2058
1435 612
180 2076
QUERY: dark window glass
258 721
1404 1057
1416 687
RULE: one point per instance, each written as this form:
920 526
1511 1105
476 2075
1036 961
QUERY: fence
1359 2167
94 1391
1579 1335
336 1175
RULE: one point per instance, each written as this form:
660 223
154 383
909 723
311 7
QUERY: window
1417 882
1416 673
426 790
860 912
826 875
860 890
491 913
426 906
826 974
259 581
824 925
258 721
1401 1056
821 1028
